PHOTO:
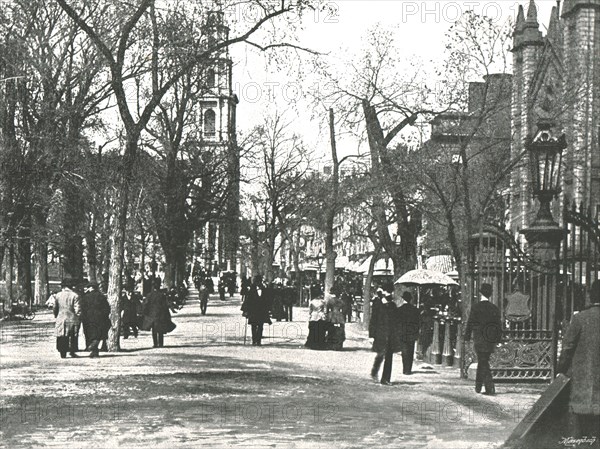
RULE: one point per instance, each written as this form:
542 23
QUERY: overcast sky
419 26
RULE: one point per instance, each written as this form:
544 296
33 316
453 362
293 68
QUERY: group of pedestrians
91 310
72 310
393 329
326 324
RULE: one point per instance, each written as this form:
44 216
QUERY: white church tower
218 130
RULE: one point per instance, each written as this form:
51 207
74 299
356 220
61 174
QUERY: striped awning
443 264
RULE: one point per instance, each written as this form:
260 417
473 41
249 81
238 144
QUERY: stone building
556 78
220 235
481 132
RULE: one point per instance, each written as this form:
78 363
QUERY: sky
419 27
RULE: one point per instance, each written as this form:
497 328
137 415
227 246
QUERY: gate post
545 235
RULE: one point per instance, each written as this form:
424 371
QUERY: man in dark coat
580 359
485 326
203 294
130 305
256 308
408 331
383 328
157 317
95 317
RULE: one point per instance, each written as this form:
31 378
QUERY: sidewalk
205 388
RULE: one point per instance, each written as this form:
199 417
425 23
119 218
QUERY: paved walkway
205 388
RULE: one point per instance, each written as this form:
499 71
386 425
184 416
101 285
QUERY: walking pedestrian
245 287
203 293
130 307
95 317
67 311
408 331
580 360
256 308
317 324
157 317
336 332
485 326
384 331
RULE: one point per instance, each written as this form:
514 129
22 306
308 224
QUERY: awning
383 265
443 264
342 262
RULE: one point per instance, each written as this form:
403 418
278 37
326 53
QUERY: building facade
557 80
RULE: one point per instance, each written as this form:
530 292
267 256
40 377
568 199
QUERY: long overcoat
409 319
485 326
580 359
95 315
256 307
67 310
383 327
156 313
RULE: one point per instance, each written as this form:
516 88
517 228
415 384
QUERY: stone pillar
448 354
436 352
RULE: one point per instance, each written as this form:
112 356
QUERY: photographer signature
573 442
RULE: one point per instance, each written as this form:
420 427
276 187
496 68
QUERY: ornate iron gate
536 301
525 292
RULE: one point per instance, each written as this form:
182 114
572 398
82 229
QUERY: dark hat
486 290
67 282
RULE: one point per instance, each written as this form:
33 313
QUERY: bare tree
280 165
118 46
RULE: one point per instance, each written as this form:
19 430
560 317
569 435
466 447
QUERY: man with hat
383 328
485 326
67 311
580 360
95 317
408 329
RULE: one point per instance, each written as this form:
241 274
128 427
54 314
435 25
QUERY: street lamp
545 157
320 259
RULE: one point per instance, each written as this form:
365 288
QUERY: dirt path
207 389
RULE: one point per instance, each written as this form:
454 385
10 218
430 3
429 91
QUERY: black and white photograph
300 224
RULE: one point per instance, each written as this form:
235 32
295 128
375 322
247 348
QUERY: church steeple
554 26
532 14
519 26
531 28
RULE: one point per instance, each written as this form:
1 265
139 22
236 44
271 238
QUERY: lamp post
544 234
545 157
320 262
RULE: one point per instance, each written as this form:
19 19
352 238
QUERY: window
209 123
210 78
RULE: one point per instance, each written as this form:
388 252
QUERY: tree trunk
367 289
106 251
42 290
331 210
115 274
9 279
24 261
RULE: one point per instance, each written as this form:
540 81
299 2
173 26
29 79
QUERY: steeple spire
532 13
553 27
520 18
519 26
